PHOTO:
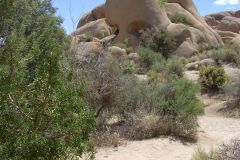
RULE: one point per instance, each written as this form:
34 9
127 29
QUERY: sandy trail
214 129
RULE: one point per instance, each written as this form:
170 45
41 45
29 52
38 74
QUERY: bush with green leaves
227 53
178 17
171 107
149 57
159 41
212 78
43 114
162 3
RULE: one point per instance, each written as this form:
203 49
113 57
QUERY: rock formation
227 24
125 18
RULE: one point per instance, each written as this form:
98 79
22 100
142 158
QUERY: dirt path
213 130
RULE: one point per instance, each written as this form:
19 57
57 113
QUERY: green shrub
149 57
212 78
159 41
227 53
42 113
174 104
162 3
129 50
177 17
88 36
175 66
129 66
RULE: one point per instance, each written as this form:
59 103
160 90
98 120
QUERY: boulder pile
118 20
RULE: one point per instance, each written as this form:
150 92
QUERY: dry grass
230 151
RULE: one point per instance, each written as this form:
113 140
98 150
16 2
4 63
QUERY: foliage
202 155
162 3
42 114
89 36
159 41
226 53
212 78
177 17
149 57
175 65
160 102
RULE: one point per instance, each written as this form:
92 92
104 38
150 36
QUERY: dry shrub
232 90
144 109
108 139
230 151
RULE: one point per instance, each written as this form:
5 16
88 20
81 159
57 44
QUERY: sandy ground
214 129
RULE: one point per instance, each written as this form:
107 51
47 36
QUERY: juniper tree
42 114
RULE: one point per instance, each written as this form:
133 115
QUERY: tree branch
19 109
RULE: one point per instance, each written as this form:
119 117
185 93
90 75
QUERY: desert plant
203 155
129 66
42 113
229 151
227 53
175 66
162 3
165 100
212 78
159 41
232 90
149 57
177 17
89 36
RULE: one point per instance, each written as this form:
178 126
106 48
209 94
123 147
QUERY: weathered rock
230 24
194 20
98 28
236 41
132 16
134 57
204 62
225 21
194 35
95 14
86 18
129 17
227 24
117 52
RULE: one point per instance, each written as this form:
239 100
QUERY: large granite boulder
131 16
98 28
227 24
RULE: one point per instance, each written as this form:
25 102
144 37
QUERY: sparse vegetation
212 78
159 41
227 53
178 17
230 151
232 91
203 155
144 109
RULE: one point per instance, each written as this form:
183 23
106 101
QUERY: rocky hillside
226 24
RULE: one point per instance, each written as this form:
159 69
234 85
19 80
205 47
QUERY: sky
72 10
